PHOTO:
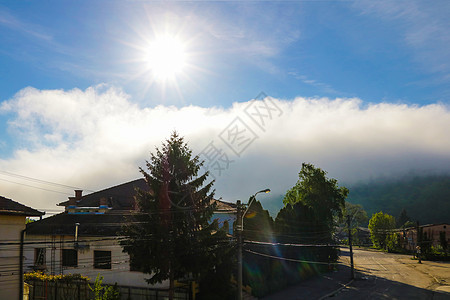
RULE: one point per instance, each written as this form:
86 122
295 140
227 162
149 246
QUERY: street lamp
76 235
240 228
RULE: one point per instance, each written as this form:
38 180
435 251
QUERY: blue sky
63 58
392 51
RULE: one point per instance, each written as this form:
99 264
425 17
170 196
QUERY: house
362 236
225 214
85 237
12 223
431 234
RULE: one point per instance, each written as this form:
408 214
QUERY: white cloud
97 138
323 86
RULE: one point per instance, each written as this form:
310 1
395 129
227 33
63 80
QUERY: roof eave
22 213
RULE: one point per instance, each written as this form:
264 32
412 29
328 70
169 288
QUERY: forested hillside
425 198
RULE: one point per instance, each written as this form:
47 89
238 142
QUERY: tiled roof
121 197
118 197
225 206
10 207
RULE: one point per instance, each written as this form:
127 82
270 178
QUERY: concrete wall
10 228
432 233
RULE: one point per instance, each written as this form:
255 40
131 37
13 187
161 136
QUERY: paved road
382 275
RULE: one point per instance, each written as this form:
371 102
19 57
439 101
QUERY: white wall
120 268
10 227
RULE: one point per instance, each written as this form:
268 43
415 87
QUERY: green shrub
67 278
102 292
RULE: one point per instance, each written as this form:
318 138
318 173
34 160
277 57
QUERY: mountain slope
425 198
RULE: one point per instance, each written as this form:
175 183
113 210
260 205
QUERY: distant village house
431 234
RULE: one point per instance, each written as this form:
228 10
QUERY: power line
35 187
293 245
291 259
40 180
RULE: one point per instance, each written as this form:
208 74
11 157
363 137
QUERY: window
102 259
69 257
39 256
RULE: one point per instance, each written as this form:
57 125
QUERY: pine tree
402 218
169 235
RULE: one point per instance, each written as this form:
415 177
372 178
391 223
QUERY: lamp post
76 235
239 229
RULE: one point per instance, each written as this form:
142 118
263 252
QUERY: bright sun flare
166 57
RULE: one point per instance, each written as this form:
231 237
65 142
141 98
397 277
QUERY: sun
166 57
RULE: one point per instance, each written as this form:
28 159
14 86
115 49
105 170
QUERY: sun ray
165 58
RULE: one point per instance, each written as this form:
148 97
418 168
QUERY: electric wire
35 187
291 259
291 245
39 180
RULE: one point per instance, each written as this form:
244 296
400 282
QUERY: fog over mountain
97 138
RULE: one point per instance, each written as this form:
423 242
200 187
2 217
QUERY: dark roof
423 226
107 224
121 197
118 197
431 225
10 207
91 224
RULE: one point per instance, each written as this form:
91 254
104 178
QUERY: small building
85 238
225 214
12 222
431 233
362 236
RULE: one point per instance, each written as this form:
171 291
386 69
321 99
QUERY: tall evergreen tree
169 234
258 223
402 218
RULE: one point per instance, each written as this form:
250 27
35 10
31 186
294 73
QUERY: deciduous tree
358 217
318 192
380 226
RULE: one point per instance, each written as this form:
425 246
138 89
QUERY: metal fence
53 290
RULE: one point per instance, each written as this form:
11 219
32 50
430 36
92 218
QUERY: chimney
78 194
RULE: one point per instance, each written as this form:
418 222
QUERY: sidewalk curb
336 291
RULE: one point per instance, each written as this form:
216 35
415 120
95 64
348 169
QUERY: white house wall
10 228
120 267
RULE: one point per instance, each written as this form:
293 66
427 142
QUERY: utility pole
352 270
419 242
240 213
239 229
22 237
